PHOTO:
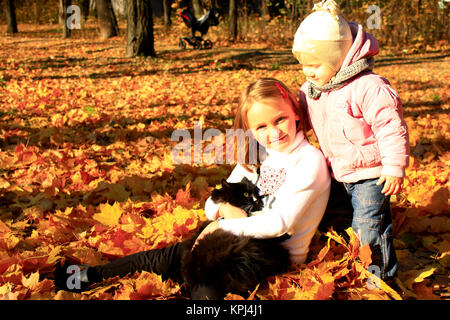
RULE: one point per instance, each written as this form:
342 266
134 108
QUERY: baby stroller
211 18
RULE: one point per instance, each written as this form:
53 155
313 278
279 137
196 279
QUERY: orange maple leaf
365 255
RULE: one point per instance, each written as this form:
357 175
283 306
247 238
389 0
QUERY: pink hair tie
283 92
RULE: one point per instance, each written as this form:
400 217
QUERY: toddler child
358 120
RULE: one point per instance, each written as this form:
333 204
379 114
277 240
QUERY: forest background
86 170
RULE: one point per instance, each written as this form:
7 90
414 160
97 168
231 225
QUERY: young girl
357 118
291 173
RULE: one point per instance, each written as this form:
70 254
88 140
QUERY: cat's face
243 195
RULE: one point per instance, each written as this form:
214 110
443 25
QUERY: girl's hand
228 211
392 185
210 228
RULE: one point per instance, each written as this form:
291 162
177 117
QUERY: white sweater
296 207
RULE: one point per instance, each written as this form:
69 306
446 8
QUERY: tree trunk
167 11
10 13
265 10
232 16
198 8
60 12
85 9
37 12
106 19
64 5
294 16
140 40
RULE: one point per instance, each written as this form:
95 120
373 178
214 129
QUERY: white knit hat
324 34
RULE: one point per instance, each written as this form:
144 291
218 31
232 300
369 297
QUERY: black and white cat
233 263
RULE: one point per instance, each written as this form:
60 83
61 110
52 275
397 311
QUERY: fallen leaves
338 272
86 172
109 215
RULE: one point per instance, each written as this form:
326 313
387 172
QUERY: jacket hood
364 45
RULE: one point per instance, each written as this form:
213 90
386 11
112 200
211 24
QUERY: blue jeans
372 222
367 210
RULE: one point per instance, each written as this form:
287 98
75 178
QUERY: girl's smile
273 123
281 139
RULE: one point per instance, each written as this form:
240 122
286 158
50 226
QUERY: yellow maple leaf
109 215
32 281
54 255
11 240
3 183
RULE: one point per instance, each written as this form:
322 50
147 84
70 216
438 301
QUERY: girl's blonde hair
260 90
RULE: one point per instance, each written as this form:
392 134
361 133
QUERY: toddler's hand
392 185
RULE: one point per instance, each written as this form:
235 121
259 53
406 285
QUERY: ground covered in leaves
86 170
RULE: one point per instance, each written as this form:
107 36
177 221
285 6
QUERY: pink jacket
360 126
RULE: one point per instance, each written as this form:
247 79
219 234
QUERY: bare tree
106 19
64 5
61 20
232 16
167 10
37 11
84 9
264 10
10 13
140 41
